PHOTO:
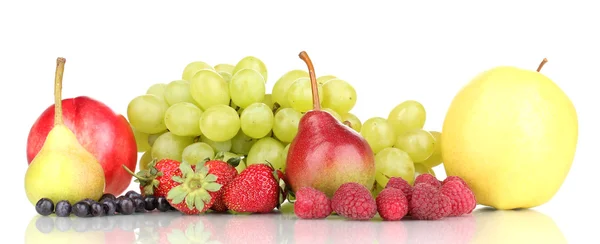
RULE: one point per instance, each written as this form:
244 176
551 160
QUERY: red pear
326 153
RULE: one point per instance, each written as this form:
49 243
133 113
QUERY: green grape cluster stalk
226 110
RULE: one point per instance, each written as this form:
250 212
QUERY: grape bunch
226 111
402 147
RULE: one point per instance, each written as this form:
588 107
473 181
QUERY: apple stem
542 64
58 77
313 80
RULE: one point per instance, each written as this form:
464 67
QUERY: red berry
354 201
461 197
429 179
453 178
392 204
428 203
225 172
255 190
311 204
156 180
399 183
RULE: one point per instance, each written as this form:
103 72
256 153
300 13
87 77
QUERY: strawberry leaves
194 187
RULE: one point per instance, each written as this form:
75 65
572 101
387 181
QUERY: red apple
105 134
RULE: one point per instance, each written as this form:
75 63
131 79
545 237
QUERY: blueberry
110 207
63 208
140 204
88 201
97 209
151 203
162 204
126 206
118 202
81 209
107 196
132 194
44 206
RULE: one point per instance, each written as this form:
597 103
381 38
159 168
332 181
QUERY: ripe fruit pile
428 199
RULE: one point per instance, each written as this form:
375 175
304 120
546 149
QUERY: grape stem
58 77
542 64
346 122
313 80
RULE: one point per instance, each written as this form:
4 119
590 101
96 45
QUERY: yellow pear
63 169
511 134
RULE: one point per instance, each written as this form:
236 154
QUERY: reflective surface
482 226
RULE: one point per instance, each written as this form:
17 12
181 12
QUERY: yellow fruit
511 134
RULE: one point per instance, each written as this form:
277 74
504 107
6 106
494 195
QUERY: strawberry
256 190
156 180
194 190
225 172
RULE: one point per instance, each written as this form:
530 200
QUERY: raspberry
429 179
391 204
311 204
399 183
461 197
428 203
453 178
354 201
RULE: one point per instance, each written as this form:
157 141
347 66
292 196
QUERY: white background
427 51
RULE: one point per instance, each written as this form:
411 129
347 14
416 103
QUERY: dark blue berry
82 209
97 209
151 202
63 208
132 194
162 204
44 206
126 206
140 205
88 201
107 196
110 207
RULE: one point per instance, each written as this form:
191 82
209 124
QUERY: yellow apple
511 134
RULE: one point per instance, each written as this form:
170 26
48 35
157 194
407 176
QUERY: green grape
267 149
353 120
141 140
393 162
241 143
283 84
339 95
251 62
170 146
208 89
325 78
300 96
286 149
436 157
145 160
241 166
268 100
218 146
406 116
285 125
192 68
226 76
147 113
422 169
197 152
257 120
378 133
419 144
178 91
333 113
227 68
182 119
247 86
220 123
157 89
152 137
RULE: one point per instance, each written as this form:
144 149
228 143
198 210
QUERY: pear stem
313 80
58 76
542 64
